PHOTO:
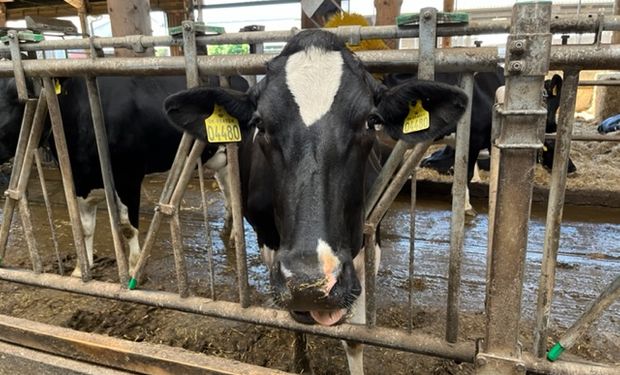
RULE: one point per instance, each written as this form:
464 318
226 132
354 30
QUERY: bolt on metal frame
464 60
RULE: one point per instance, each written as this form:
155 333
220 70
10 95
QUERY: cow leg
130 234
88 217
355 350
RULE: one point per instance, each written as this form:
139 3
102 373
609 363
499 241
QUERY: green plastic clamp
555 352
201 29
24 36
132 284
443 18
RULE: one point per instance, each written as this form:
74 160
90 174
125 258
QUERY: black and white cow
485 86
309 128
140 142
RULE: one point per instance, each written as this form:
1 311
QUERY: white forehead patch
313 77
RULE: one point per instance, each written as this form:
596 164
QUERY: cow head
10 120
313 117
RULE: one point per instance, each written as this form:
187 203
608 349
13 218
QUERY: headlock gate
517 137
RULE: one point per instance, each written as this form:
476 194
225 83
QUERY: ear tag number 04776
418 119
222 127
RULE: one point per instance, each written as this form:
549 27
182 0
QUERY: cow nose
303 288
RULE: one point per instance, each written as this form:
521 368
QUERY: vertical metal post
67 176
426 71
18 69
522 127
18 160
457 228
48 207
232 154
412 216
103 150
554 209
370 255
173 211
208 239
193 80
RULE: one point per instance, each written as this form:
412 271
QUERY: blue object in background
609 125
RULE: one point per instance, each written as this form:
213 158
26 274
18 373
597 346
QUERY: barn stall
502 327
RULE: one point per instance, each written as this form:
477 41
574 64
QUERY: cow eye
374 119
257 121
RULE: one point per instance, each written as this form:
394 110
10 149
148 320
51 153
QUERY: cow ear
401 106
556 85
187 110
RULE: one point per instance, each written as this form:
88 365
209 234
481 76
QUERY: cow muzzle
312 295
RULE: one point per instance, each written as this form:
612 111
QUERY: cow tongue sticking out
328 317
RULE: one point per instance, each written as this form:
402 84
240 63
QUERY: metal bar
448 60
397 183
385 175
589 138
560 26
175 223
142 358
525 74
370 278
416 342
601 82
555 208
67 177
596 308
16 60
234 179
18 162
457 228
412 231
179 257
48 207
103 150
26 217
208 239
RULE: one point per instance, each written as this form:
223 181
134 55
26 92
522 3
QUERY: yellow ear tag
57 87
418 119
545 149
222 127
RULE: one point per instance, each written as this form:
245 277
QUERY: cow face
313 120
10 119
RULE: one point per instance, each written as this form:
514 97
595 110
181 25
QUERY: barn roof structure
18 9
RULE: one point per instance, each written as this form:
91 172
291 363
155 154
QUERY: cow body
139 138
309 136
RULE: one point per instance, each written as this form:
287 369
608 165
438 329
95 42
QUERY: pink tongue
328 317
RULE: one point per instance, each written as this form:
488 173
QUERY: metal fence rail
516 148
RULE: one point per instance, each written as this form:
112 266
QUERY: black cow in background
485 86
308 135
140 138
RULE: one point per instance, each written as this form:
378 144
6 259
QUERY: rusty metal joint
13 194
496 361
369 229
351 35
138 46
166 209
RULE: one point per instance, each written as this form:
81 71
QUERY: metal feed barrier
517 137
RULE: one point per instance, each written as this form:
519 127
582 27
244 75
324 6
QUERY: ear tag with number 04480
222 127
418 119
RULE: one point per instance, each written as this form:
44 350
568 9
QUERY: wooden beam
387 11
130 17
3 15
143 358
